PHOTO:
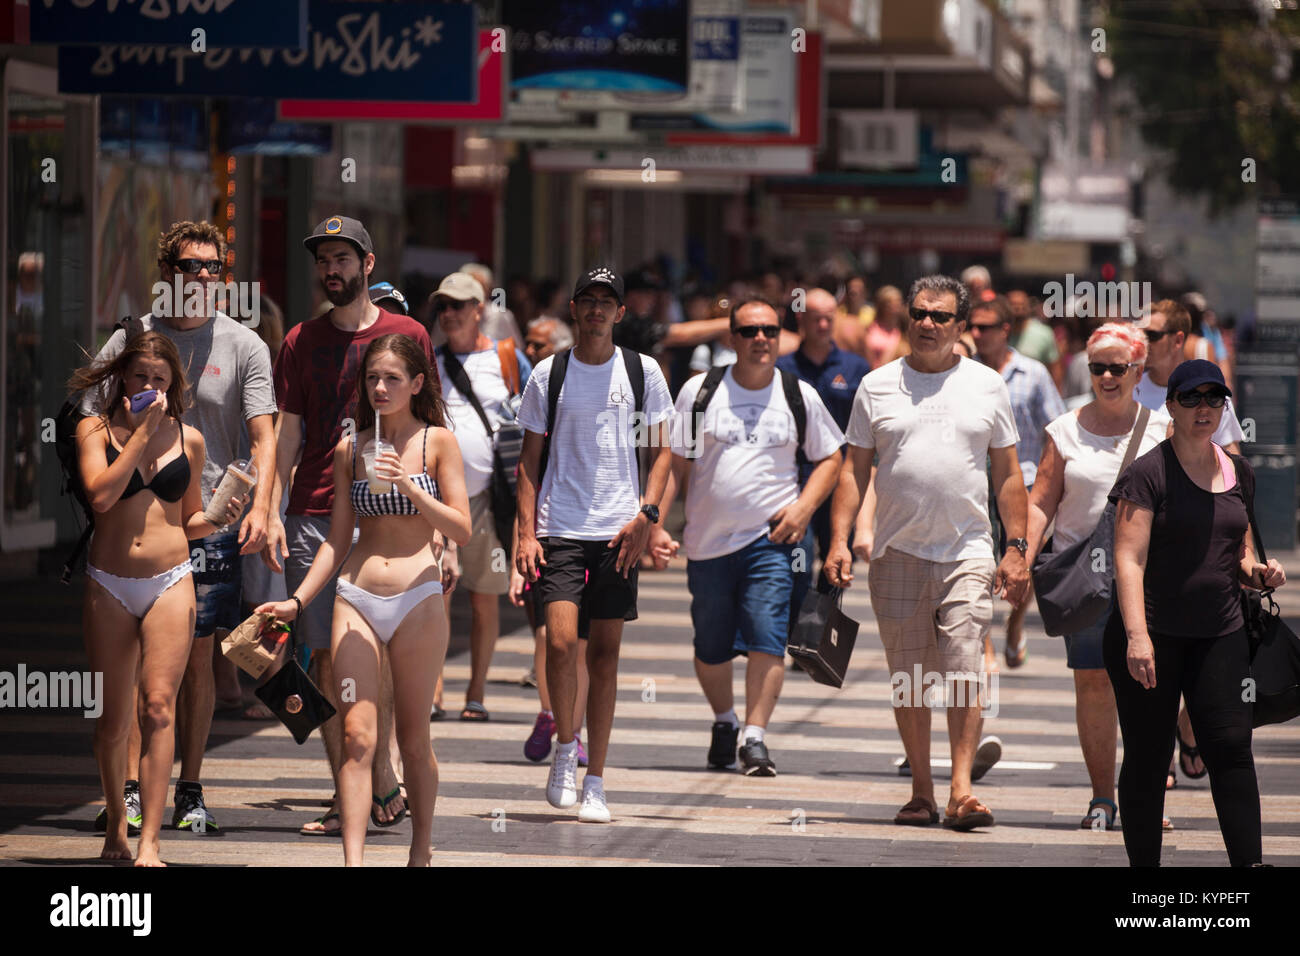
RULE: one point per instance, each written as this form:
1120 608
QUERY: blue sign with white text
354 51
237 23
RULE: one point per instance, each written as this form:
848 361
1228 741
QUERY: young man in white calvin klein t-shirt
582 532
745 516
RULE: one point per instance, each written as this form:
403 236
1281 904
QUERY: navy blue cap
1193 374
386 290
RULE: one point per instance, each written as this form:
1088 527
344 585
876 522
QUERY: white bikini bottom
385 614
138 595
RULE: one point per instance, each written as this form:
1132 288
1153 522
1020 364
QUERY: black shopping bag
291 696
1274 660
823 638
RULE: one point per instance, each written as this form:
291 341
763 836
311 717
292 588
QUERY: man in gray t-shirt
232 401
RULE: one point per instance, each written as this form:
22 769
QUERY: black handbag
1274 647
823 637
291 696
1073 587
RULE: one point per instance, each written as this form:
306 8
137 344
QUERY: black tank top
168 484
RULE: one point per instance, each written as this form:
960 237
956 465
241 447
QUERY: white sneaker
562 785
594 809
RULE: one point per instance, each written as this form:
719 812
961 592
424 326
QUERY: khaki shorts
932 613
484 564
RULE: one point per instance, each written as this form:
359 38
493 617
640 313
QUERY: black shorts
537 611
584 573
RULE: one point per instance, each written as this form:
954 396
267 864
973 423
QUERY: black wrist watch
1020 544
651 512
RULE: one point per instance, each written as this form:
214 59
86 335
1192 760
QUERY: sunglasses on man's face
1154 336
1101 368
449 305
1212 398
937 315
751 331
192 267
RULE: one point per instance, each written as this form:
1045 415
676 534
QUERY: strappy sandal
970 813
322 829
1187 752
1100 810
382 802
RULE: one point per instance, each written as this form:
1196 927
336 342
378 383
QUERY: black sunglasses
1155 336
1212 398
751 331
443 305
192 267
940 317
1101 368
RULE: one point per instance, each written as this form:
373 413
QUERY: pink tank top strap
1228 470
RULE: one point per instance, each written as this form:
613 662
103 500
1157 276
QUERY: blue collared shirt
1035 402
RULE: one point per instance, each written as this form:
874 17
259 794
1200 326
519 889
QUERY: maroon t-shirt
1190 586
316 377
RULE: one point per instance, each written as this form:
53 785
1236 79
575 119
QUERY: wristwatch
651 512
1020 544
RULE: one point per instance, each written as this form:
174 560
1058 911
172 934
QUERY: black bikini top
168 484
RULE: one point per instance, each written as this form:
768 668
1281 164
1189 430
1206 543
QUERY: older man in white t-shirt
493 372
933 418
745 516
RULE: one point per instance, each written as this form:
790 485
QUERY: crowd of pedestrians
526 445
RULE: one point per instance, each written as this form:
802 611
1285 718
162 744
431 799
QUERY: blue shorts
1083 648
740 602
218 583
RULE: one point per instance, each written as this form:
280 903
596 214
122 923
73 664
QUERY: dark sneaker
722 752
134 817
754 758
190 813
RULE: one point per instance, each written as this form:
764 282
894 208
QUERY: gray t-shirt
229 372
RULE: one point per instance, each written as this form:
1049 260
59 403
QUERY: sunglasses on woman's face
1212 398
1101 368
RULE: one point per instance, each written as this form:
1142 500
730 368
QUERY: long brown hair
426 405
152 345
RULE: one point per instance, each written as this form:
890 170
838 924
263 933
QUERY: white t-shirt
483 368
746 470
933 432
591 488
1091 468
1153 397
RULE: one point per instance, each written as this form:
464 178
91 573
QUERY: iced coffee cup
368 454
239 479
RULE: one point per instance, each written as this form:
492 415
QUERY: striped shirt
1035 402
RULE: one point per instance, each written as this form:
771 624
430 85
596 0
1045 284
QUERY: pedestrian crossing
832 804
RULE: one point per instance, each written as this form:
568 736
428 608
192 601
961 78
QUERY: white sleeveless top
1091 468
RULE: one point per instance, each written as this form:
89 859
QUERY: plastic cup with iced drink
372 449
239 479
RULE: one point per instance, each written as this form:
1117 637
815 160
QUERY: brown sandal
969 815
917 812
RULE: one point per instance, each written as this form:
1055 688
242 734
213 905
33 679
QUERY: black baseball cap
601 275
1193 374
340 227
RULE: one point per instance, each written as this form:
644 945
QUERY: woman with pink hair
1081 459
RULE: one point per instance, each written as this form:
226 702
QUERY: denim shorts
740 602
218 583
1083 648
305 534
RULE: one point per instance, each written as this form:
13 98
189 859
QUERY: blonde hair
1120 334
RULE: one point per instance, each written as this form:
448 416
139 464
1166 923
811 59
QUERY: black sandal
1186 752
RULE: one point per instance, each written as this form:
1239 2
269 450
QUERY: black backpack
793 398
65 446
559 366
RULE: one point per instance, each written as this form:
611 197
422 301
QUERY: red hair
1121 334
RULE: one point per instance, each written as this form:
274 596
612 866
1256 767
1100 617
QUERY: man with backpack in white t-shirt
481 383
582 524
738 432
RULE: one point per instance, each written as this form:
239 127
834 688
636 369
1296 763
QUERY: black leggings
1209 673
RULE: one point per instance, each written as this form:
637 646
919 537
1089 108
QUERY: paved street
832 803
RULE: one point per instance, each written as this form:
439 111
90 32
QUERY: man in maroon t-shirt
316 390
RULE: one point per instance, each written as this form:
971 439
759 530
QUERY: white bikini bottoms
385 614
138 595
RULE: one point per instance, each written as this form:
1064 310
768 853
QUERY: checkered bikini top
369 505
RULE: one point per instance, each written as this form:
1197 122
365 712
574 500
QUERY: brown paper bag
254 645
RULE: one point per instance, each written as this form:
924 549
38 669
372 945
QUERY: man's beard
348 294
